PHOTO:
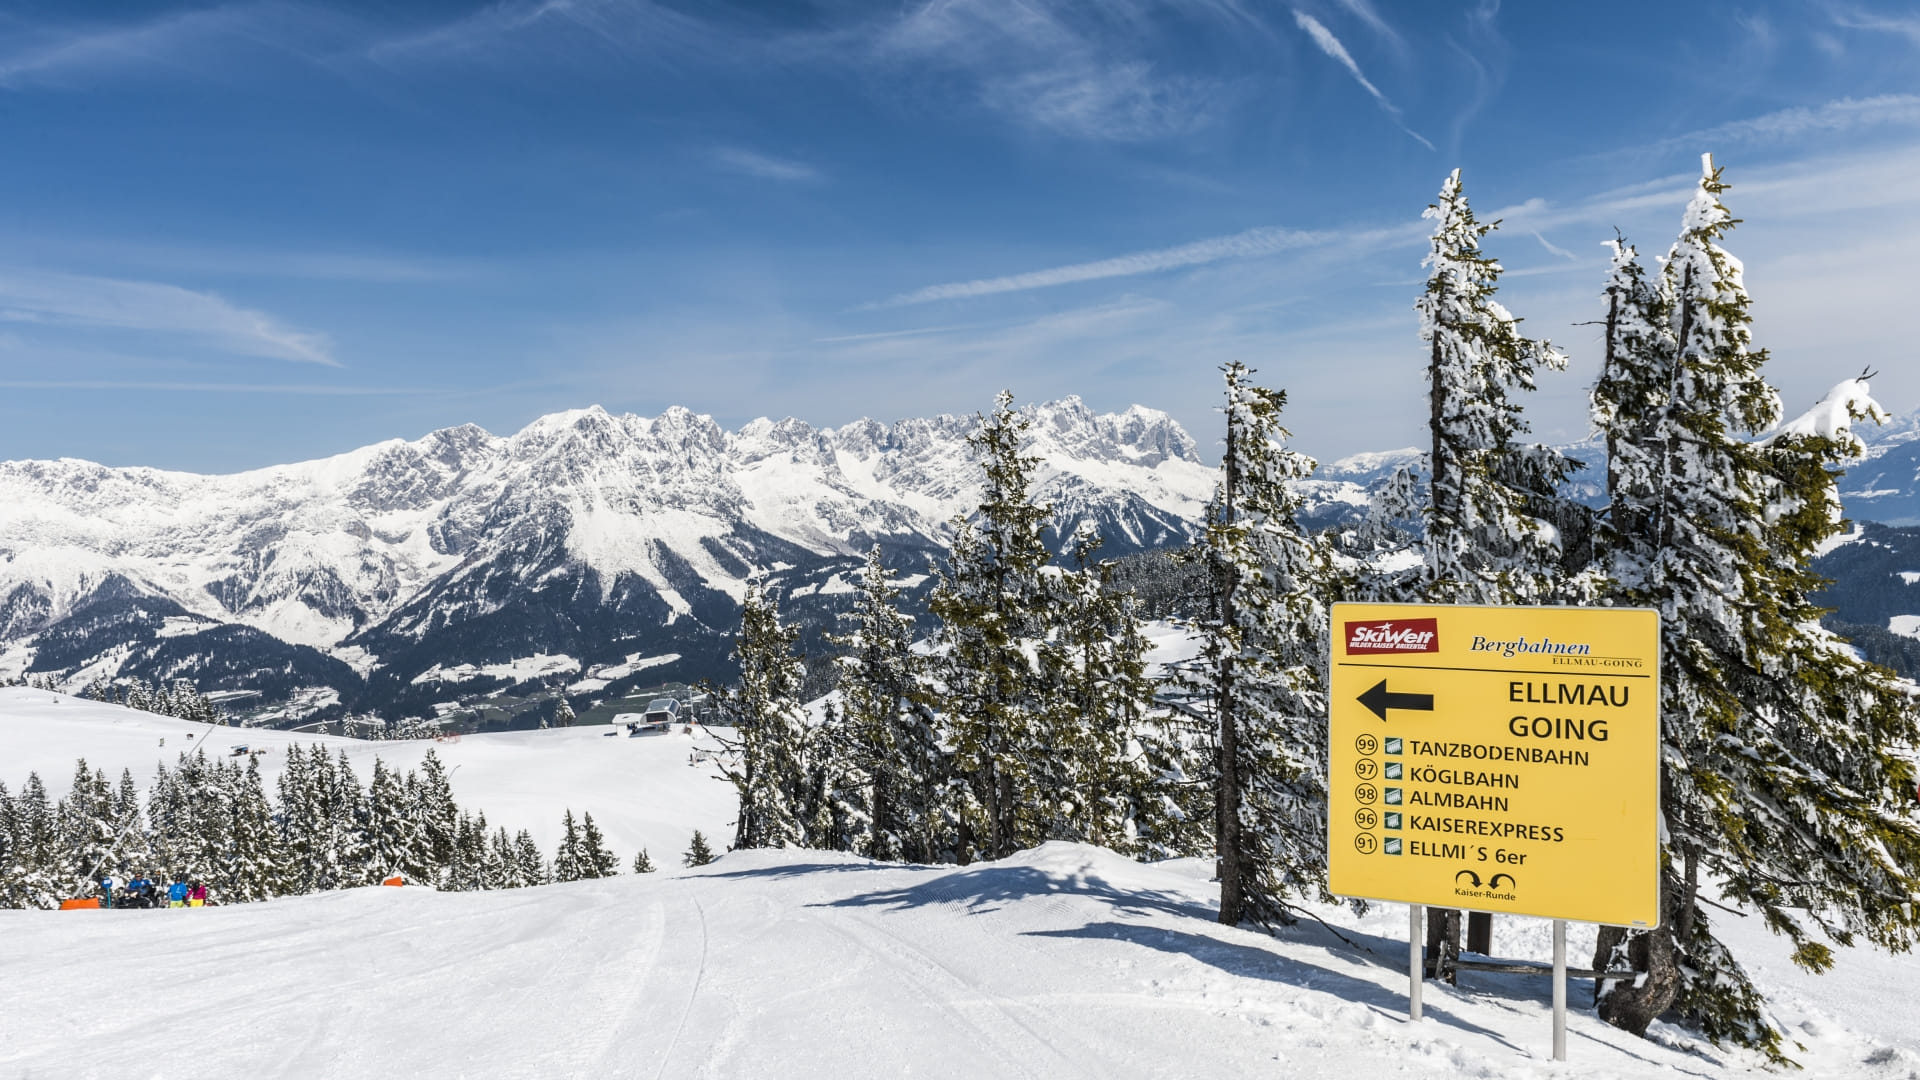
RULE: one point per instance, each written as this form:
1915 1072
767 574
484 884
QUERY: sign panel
1497 759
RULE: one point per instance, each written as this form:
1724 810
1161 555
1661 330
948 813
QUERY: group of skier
142 892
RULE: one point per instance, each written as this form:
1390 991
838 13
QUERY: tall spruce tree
1260 679
993 601
891 725
770 768
528 867
596 859
1492 499
435 814
836 811
567 863
88 836
259 867
392 831
1494 519
36 877
1779 781
1101 702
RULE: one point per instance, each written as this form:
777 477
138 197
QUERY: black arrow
1380 699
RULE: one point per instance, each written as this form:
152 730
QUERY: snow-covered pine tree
836 813
1100 701
596 859
528 867
643 863
699 853
995 608
468 871
563 714
567 864
299 820
258 867
9 850
1779 781
191 816
1490 536
1494 522
769 766
35 877
891 724
87 834
499 871
391 830
1261 675
434 811
130 829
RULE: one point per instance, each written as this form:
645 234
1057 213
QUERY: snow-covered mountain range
586 550
590 551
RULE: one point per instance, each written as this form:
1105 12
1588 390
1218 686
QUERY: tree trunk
1655 954
1227 807
1228 841
1443 944
1633 1006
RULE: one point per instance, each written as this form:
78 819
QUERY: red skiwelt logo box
1394 636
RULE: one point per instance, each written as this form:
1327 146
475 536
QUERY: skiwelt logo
1394 636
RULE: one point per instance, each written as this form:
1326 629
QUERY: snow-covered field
641 792
1063 962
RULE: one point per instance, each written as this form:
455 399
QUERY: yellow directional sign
1497 759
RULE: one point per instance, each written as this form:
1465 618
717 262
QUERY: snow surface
519 669
641 791
1908 625
1062 962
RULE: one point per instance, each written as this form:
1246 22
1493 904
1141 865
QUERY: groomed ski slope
641 792
1065 962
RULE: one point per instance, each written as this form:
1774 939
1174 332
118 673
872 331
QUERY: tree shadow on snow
1250 962
774 873
989 888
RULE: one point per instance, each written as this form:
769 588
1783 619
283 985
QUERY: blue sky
246 233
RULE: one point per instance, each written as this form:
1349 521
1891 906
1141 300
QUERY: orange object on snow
395 880
74 905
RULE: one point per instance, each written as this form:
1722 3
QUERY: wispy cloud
1252 243
1846 114
746 162
523 29
1553 248
73 299
1331 45
1852 18
883 335
1364 11
180 41
1079 71
292 389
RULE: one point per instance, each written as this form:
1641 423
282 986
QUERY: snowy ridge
462 553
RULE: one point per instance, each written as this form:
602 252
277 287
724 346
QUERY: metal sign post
1416 962
1559 989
